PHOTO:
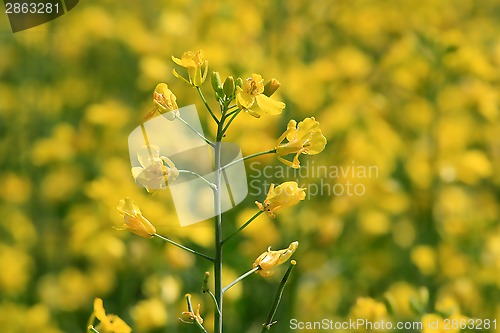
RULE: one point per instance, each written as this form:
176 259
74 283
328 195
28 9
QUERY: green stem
218 229
253 270
243 226
215 302
270 151
234 114
207 106
270 318
212 185
92 329
195 131
183 247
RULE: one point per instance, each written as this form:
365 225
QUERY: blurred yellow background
409 87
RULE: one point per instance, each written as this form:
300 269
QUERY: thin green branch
207 106
253 270
270 318
270 151
184 247
212 185
234 114
195 131
243 226
206 289
215 302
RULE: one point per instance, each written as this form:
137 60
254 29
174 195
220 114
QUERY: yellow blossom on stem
284 195
270 259
108 323
193 62
250 97
155 171
165 101
304 138
191 315
133 219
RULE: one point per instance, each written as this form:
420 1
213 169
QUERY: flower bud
229 86
271 87
216 83
133 219
239 82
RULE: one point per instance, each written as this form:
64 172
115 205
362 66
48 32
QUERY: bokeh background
410 87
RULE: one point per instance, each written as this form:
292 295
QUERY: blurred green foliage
410 87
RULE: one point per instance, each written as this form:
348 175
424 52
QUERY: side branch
184 247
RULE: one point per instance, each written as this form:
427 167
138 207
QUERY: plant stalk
218 229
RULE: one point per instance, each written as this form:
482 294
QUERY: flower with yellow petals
193 62
165 102
270 259
284 195
108 323
133 219
250 97
155 171
304 138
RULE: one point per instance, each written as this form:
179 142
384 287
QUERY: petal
306 128
292 130
287 253
99 312
120 326
244 99
177 61
128 207
316 144
269 105
136 172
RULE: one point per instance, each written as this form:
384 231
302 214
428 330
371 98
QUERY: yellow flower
251 98
304 138
108 323
270 259
155 171
369 309
133 219
165 101
284 195
193 62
